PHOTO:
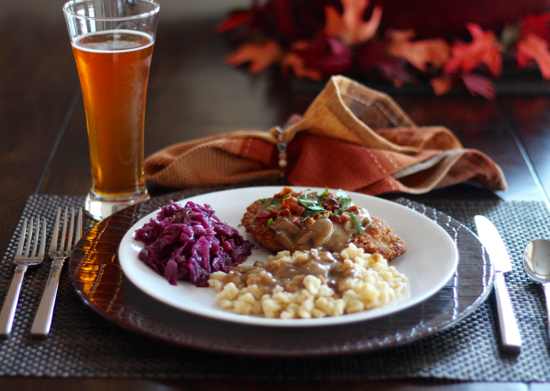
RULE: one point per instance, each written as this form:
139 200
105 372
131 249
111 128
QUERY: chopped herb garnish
269 222
356 222
303 196
344 199
338 212
262 200
311 205
324 194
271 207
286 196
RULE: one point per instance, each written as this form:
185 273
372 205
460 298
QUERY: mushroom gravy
310 284
313 221
328 267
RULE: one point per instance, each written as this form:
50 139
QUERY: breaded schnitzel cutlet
296 221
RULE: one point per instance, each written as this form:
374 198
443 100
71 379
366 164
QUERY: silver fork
43 320
23 259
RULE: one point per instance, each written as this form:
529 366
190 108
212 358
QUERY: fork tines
66 241
29 236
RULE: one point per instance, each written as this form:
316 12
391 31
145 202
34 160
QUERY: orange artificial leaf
418 53
484 48
297 64
260 56
441 85
535 48
350 26
400 35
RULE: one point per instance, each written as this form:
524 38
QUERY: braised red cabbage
189 243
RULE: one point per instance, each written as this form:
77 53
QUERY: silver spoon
536 262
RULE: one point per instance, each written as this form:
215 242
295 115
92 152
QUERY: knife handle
509 330
546 287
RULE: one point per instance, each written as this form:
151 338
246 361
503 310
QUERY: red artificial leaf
373 56
535 48
484 48
350 27
287 20
479 85
323 55
536 24
476 84
285 24
418 53
260 56
236 19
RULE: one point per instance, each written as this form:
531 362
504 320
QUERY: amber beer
114 67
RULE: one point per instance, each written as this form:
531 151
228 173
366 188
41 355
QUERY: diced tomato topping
331 204
284 212
265 215
298 222
353 208
293 205
285 191
309 221
330 201
339 219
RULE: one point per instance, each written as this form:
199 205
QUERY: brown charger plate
98 278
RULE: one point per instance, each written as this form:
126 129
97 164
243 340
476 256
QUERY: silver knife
491 240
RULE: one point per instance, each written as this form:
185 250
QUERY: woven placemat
82 343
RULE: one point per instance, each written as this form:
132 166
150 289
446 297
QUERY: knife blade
491 240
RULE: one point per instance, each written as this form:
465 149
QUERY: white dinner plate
430 261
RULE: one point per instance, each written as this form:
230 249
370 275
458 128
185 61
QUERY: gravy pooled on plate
291 275
310 284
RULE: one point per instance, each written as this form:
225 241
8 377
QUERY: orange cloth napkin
351 137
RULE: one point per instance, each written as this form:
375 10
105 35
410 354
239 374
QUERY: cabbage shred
189 243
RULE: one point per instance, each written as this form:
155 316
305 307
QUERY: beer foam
138 40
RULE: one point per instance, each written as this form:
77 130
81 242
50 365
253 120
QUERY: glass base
99 209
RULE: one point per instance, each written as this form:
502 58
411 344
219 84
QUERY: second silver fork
58 253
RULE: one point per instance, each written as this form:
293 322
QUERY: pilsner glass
113 44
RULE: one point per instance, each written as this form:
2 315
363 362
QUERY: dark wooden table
193 94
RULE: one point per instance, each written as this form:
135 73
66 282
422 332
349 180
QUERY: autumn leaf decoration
533 42
260 56
483 50
350 27
344 37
